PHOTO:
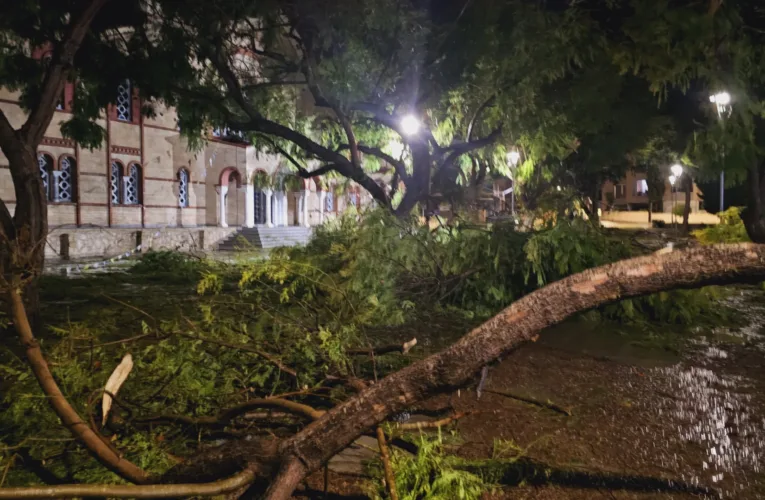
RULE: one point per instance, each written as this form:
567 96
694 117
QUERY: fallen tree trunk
457 365
521 322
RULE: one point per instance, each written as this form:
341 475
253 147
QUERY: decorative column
322 198
269 194
298 208
306 222
249 205
223 191
285 217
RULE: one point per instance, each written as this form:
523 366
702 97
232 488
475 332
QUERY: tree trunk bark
26 253
520 323
687 207
754 214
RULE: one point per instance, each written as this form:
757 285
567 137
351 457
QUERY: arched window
329 202
115 181
45 162
132 182
63 185
353 200
124 101
183 188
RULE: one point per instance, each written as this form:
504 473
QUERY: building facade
631 193
144 180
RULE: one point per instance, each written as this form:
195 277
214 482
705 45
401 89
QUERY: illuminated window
641 187
132 183
45 163
63 186
116 176
124 102
183 187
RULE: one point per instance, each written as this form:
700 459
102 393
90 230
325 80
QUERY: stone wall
110 242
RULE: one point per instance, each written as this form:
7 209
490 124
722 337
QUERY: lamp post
677 172
513 157
721 100
672 179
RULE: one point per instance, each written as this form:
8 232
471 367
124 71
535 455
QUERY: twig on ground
226 416
433 424
542 404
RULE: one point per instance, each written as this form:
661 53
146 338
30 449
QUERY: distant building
631 193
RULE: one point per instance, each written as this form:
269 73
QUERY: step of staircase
266 237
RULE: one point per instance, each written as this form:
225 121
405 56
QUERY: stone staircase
265 237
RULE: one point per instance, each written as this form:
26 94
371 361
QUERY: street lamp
677 170
722 100
513 157
410 125
672 179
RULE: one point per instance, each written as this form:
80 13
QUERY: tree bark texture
511 328
754 214
687 207
233 483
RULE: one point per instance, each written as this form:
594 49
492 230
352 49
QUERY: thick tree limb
377 152
457 150
233 483
55 76
58 401
514 326
226 416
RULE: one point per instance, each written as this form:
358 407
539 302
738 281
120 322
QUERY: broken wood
390 478
519 323
377 351
226 416
132 491
433 424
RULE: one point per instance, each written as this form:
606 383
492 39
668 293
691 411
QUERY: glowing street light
410 125
672 180
513 157
677 170
722 100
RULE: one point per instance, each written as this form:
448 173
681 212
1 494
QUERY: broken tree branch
233 483
433 424
377 351
390 478
226 416
519 323
68 415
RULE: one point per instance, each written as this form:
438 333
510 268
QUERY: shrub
679 209
731 229
166 265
